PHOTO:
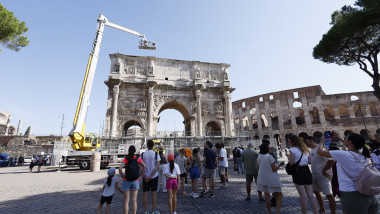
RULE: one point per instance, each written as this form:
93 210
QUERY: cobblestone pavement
77 191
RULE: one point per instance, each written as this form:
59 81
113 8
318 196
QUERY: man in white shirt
150 182
322 175
222 163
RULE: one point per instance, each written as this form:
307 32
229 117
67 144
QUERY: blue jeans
130 185
240 165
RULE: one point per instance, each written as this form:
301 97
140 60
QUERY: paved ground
76 191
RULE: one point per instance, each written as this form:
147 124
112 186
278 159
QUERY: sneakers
203 193
212 195
194 195
223 186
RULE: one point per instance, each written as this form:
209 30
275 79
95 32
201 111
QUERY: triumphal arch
140 88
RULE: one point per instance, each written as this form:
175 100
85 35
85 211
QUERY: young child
109 189
172 173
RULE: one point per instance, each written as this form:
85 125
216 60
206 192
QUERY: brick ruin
309 109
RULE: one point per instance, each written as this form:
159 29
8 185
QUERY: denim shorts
194 173
130 185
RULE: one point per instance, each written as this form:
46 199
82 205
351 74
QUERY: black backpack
238 155
132 170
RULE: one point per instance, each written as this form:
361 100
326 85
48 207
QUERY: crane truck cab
157 145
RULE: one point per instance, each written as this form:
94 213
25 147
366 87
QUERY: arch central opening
173 119
132 128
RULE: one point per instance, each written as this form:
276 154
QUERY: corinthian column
114 110
199 112
228 113
150 111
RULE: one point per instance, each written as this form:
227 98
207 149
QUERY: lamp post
355 98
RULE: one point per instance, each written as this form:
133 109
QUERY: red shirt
125 161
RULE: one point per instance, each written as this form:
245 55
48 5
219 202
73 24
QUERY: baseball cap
170 157
111 171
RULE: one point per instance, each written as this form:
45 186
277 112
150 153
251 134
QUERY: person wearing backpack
235 159
131 164
240 163
350 166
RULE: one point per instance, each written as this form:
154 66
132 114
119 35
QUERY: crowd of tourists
16 161
334 172
39 161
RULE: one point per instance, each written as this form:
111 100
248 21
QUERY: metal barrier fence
60 149
119 146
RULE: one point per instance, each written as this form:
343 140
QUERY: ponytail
366 153
109 180
131 153
171 166
358 142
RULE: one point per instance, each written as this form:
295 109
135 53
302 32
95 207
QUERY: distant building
5 124
278 114
133 132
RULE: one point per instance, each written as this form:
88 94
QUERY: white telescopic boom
84 99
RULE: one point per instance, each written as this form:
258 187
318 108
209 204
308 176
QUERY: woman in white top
172 174
302 178
348 166
268 180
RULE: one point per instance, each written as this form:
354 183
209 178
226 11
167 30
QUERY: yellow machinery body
157 145
88 142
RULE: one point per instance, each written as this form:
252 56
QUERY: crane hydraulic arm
81 141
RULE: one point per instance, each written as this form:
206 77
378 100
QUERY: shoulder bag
292 169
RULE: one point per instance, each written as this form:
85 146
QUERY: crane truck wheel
84 165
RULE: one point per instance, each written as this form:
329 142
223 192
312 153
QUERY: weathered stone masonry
306 109
140 88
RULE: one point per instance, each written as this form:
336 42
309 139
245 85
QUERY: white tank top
297 154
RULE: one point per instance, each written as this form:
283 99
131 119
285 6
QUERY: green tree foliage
354 38
10 31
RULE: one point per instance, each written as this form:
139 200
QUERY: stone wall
307 109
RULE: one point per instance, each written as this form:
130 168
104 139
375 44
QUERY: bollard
95 162
59 166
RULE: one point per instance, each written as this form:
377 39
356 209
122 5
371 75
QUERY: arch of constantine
140 88
309 109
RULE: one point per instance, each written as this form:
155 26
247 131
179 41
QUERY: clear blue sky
268 44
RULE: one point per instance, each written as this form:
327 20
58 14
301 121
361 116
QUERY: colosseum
276 115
